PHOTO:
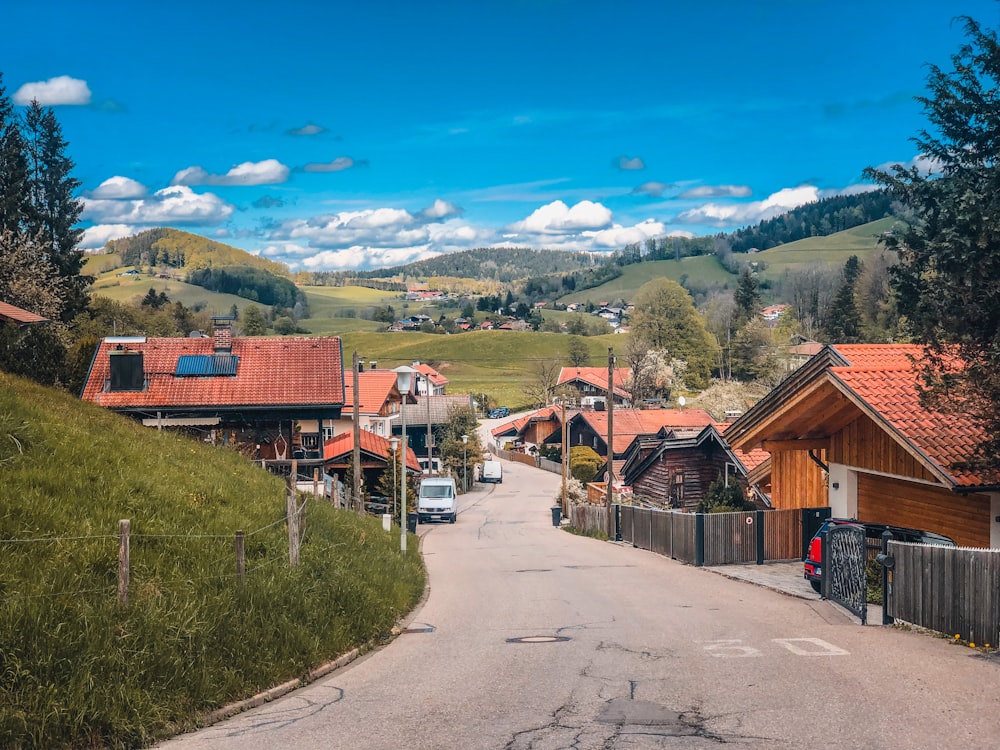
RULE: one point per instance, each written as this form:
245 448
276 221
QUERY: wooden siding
865 445
699 468
796 480
965 518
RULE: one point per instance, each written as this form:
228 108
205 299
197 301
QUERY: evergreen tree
13 168
843 323
253 321
747 297
947 280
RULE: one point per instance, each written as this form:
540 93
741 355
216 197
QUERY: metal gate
844 560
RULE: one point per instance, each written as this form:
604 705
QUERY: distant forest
249 283
179 249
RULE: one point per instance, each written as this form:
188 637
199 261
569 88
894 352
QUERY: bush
584 463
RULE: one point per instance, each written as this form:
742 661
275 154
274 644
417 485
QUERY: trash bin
411 523
556 514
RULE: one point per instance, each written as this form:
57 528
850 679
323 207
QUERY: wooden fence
947 589
592 519
714 538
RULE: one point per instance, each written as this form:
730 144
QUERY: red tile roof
435 377
341 447
597 377
885 381
631 422
375 387
18 315
276 371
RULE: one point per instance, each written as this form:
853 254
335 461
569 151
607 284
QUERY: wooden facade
797 481
681 478
965 518
865 445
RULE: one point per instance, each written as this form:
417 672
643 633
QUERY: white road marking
821 647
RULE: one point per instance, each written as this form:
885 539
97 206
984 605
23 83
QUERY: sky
352 135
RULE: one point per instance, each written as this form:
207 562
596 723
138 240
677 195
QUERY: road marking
821 647
730 649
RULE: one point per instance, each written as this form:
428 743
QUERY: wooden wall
796 480
700 469
864 445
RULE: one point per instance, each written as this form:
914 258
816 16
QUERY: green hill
172 248
82 670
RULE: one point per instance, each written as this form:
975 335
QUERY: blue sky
341 135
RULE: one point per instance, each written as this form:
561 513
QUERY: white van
437 500
492 472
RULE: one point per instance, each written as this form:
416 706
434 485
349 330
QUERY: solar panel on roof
195 365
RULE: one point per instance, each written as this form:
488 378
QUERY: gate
845 555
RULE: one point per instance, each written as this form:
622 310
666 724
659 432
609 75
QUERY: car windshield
436 490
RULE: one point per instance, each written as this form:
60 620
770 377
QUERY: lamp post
465 463
404 379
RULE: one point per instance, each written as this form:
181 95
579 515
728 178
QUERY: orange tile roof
275 371
375 387
631 422
597 377
891 391
435 377
19 315
341 446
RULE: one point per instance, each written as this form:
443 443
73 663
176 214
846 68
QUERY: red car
813 563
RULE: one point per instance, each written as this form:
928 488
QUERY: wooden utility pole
124 528
359 504
565 458
292 516
430 435
611 434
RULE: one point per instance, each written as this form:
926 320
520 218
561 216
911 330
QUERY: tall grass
76 668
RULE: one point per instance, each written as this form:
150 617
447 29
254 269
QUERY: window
327 433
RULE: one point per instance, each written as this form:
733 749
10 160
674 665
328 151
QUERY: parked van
492 472
437 500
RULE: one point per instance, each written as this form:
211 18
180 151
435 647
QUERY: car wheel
816 585
452 519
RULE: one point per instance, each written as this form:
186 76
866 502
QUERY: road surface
532 637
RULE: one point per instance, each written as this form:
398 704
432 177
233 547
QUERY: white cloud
655 189
299 257
337 165
716 191
119 187
440 210
750 213
618 236
924 164
58 90
310 129
267 172
630 163
98 236
558 218
172 205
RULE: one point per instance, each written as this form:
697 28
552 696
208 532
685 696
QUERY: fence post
824 556
887 619
699 539
618 523
124 528
760 537
241 560
292 518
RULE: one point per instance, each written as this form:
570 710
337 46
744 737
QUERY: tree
843 323
649 370
584 462
665 317
13 168
253 321
947 280
723 499
746 297
545 376
579 352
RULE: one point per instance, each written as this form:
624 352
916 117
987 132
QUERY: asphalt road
532 637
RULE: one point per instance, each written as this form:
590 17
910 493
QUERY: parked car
499 413
813 563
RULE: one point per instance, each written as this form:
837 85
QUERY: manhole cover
539 639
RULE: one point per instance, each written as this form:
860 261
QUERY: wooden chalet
376 456
593 381
848 430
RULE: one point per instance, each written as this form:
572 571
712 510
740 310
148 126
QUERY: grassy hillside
498 363
80 670
703 269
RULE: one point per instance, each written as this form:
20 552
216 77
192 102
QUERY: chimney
373 365
223 333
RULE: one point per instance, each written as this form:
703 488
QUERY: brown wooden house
848 430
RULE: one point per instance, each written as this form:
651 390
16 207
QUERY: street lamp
465 463
404 379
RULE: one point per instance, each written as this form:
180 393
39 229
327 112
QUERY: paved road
532 637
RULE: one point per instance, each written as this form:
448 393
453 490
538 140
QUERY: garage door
965 518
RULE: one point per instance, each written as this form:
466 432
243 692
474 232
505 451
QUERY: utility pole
611 431
430 435
356 452
565 457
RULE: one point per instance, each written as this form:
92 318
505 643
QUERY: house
676 468
376 456
593 381
847 430
771 313
271 398
530 429
435 411
378 403
430 381
19 316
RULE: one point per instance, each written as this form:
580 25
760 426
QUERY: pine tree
843 323
13 168
747 297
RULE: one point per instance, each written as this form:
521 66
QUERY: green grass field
704 269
